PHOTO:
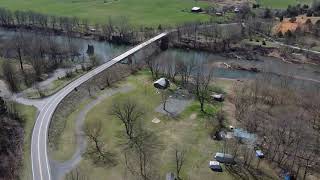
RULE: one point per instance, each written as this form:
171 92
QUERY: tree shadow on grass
240 171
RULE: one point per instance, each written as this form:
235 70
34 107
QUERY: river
305 74
102 49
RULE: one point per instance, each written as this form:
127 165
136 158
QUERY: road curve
39 156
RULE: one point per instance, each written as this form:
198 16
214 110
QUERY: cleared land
282 3
188 129
139 12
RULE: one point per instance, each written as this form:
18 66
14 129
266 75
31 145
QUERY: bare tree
179 160
202 84
129 112
153 65
94 61
185 68
141 150
165 96
124 29
10 76
110 76
96 150
18 44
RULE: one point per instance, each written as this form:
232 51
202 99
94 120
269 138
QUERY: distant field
282 3
140 12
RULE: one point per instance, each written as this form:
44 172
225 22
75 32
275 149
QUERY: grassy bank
140 12
29 115
54 87
66 146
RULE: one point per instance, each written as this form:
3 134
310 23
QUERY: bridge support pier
164 43
130 60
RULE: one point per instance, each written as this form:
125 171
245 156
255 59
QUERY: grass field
282 3
140 12
67 142
185 130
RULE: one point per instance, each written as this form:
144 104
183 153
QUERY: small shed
218 97
196 9
162 83
224 158
215 166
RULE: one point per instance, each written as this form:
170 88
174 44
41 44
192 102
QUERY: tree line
286 121
115 29
11 141
40 52
208 36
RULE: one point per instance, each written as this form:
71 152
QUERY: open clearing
139 12
190 132
188 129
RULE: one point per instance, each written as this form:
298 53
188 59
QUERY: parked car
215 166
224 158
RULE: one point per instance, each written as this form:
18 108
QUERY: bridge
39 154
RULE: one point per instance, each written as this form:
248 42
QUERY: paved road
39 157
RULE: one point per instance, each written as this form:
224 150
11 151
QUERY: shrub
309 13
292 20
69 74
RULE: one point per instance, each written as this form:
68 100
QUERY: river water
103 50
305 74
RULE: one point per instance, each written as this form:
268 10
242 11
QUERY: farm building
196 9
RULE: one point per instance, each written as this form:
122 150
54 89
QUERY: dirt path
228 107
60 169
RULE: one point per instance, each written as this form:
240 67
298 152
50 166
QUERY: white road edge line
32 166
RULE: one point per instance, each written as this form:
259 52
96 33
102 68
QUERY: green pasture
139 12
